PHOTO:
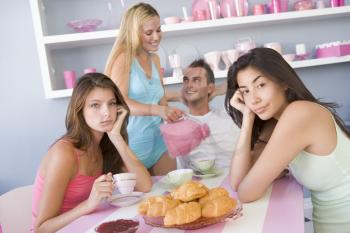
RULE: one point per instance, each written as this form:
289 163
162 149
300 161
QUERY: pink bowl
289 57
85 25
172 20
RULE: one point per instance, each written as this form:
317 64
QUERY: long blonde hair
129 38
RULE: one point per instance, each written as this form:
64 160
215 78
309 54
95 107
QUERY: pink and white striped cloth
281 206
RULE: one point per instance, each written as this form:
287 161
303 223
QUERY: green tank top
328 179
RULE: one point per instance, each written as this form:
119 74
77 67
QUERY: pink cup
69 78
200 15
89 70
258 9
336 3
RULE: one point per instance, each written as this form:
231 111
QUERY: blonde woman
135 68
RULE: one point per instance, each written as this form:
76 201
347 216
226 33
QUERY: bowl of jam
118 226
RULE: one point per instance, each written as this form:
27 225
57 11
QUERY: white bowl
124 176
203 165
180 176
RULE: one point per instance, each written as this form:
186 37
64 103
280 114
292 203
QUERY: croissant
213 194
157 206
182 214
189 191
218 207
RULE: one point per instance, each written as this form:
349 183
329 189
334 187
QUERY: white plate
125 199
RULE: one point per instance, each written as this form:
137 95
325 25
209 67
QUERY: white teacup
180 176
125 182
213 59
229 57
204 165
124 176
275 46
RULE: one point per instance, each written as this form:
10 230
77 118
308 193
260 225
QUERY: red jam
120 225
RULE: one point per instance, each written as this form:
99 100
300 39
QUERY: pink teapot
183 136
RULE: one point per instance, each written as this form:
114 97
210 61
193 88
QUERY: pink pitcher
183 136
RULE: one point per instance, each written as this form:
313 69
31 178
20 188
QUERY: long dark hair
273 66
79 133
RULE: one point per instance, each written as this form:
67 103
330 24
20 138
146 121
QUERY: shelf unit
294 64
45 43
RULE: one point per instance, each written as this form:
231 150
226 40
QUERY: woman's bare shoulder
62 151
304 109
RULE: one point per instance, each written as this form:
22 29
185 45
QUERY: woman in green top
267 99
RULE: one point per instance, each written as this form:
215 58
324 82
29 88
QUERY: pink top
78 190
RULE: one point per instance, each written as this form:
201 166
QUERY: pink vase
183 136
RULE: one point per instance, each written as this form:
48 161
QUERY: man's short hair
208 71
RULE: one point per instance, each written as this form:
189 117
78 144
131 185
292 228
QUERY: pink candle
69 78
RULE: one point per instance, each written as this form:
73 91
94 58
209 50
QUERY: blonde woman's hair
129 38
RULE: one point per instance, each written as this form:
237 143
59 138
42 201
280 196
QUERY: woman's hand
170 114
115 132
237 102
101 190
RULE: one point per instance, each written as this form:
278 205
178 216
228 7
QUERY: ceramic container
124 176
182 136
172 20
275 46
213 59
180 176
203 165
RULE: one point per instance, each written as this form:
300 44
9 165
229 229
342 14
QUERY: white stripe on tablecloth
253 217
157 189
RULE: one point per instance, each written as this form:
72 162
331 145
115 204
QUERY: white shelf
59 93
80 39
223 73
47 43
255 20
294 64
101 37
320 61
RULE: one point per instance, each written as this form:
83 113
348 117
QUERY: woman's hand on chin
115 131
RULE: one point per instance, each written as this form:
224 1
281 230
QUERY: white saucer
215 172
125 199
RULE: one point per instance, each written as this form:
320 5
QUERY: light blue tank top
144 134
328 178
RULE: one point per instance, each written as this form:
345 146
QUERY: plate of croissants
190 206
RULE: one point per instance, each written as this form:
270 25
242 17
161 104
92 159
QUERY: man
198 87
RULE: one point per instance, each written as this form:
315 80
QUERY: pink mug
258 9
69 78
200 15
